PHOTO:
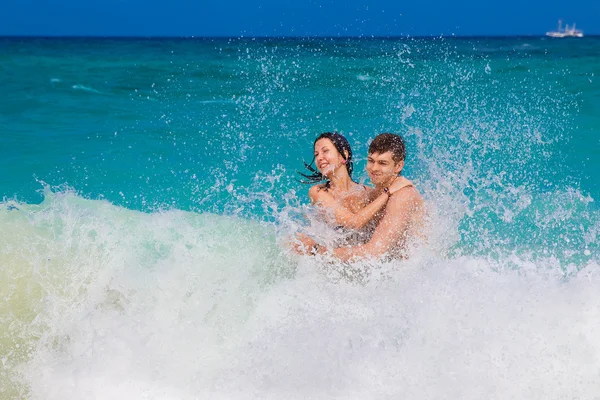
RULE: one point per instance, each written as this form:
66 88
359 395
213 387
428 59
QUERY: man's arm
392 228
345 217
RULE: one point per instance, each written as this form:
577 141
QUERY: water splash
104 301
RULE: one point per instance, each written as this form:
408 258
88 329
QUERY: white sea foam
217 101
103 302
362 77
525 47
85 89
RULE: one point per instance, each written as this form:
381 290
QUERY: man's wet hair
341 145
389 142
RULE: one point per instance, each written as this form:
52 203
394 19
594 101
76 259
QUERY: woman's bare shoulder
316 192
366 189
357 197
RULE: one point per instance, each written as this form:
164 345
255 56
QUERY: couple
389 214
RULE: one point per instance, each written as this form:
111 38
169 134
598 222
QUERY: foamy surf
364 77
85 89
103 302
217 101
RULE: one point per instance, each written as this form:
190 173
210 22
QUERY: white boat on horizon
567 32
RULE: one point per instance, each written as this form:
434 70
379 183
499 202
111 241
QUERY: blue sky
292 18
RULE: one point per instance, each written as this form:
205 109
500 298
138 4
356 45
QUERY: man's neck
388 183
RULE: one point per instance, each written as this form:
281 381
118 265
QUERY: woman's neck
340 180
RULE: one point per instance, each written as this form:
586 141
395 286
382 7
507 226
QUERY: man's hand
306 245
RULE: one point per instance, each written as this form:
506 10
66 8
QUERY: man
402 217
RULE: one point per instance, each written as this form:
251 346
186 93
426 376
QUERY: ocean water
148 189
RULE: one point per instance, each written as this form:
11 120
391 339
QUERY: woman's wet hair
341 145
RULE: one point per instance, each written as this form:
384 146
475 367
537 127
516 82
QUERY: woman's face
327 157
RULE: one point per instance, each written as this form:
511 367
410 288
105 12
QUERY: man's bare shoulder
408 196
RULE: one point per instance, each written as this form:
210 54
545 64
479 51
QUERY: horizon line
441 36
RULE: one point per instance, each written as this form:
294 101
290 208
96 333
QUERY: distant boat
567 32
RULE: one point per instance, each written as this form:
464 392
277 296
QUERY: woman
342 200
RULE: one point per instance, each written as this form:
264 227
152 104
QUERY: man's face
382 169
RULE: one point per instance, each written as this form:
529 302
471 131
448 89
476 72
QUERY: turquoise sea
148 187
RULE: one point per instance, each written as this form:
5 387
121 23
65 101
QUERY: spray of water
101 301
